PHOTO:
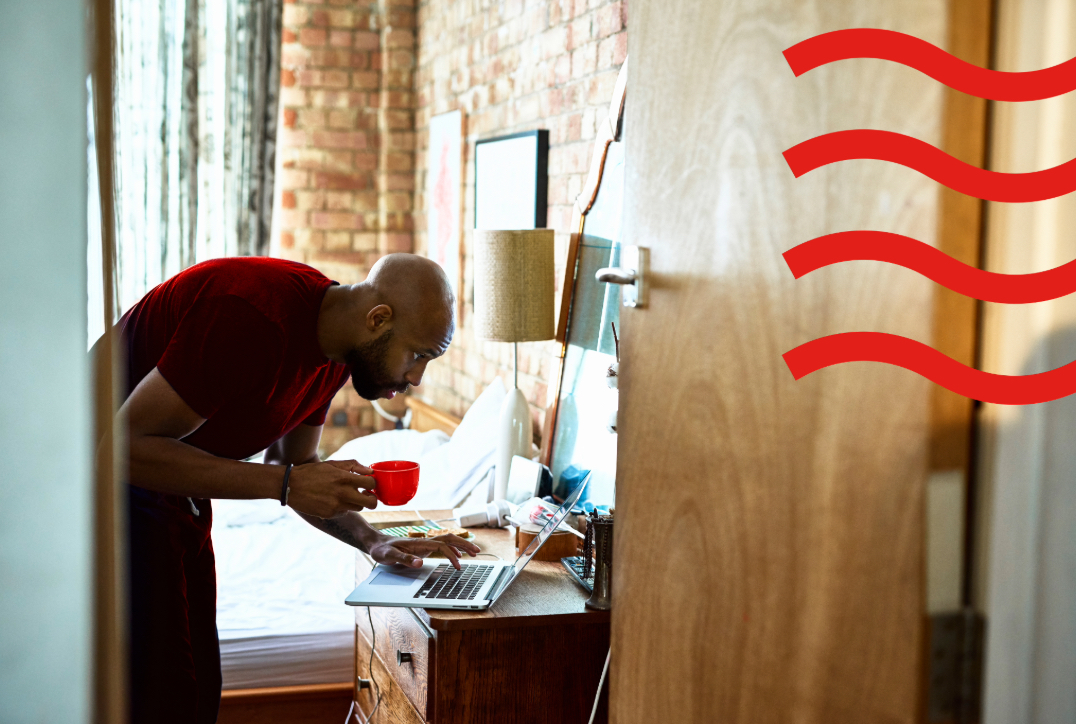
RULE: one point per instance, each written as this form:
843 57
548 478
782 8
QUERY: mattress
281 586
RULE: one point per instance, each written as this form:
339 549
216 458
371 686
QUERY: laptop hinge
496 588
954 689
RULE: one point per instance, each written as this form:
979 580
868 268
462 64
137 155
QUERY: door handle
631 275
616 275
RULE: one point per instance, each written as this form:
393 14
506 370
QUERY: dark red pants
175 653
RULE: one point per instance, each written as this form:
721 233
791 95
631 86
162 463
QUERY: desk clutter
574 566
449 666
426 530
598 551
593 570
560 543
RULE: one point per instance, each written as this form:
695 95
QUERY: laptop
437 584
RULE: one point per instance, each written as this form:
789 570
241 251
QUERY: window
195 113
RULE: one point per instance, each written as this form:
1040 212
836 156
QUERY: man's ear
379 318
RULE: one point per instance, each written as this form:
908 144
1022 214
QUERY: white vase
515 438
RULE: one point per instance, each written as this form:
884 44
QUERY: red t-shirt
237 340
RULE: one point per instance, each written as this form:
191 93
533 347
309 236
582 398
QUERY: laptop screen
543 535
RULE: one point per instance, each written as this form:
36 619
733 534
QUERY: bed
287 639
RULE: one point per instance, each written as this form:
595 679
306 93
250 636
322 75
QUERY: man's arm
301 446
158 419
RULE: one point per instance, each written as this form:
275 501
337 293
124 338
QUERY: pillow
480 422
456 468
449 468
390 445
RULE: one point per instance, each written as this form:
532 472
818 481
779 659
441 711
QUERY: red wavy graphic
933 163
933 264
930 363
932 61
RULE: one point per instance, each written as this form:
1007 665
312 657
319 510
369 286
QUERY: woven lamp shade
513 285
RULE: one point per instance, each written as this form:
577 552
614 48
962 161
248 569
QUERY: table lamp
513 302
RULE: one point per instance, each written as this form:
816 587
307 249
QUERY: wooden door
769 560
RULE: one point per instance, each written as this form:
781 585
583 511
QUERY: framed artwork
511 181
444 209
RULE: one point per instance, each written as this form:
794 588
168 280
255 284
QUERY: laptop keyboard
447 582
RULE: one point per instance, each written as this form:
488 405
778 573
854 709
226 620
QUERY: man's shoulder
254 268
276 287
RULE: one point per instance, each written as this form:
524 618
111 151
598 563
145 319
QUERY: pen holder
599 544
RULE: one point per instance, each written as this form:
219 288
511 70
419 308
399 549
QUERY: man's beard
370 375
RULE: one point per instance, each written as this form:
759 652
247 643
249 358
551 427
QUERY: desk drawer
395 707
399 633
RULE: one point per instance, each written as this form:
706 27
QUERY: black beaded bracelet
284 489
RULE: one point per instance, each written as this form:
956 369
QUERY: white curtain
196 88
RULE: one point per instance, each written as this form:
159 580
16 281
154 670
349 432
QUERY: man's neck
340 319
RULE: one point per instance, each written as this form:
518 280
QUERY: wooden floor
320 704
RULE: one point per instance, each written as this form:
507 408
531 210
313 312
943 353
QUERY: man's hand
331 489
410 551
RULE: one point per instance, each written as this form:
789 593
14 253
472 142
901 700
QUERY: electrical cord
490 554
400 423
370 669
601 682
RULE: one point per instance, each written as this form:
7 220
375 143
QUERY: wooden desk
535 656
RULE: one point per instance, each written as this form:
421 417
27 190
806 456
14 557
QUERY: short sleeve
221 346
317 417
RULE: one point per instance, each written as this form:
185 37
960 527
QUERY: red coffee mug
397 481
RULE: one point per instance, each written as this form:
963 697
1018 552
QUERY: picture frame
512 181
444 191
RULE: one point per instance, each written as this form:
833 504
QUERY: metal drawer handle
402 657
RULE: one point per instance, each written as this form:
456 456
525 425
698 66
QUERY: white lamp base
514 438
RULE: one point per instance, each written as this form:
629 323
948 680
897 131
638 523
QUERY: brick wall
346 150
512 65
360 81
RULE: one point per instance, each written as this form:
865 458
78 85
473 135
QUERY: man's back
237 340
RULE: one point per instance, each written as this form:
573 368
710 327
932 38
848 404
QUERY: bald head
388 328
415 287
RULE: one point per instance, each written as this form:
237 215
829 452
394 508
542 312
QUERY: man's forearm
171 466
351 529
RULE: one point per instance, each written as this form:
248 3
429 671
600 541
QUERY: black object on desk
574 565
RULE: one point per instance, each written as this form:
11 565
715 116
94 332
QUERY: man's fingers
356 500
403 558
352 466
425 546
449 552
363 481
459 544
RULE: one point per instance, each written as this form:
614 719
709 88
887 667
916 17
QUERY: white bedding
281 584
280 592
447 472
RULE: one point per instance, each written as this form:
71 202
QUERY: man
229 358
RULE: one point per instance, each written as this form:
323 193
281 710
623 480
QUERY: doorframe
1022 452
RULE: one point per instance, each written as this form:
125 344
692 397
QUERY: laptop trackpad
398 577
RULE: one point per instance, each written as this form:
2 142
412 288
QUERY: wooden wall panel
960 231
769 547
110 673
